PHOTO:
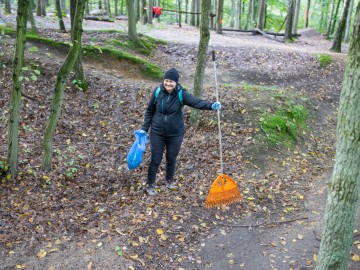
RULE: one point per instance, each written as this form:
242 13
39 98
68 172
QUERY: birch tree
15 99
344 189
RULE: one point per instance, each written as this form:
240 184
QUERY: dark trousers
158 145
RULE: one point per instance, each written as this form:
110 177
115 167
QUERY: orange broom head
223 191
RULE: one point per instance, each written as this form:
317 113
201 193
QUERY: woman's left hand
216 106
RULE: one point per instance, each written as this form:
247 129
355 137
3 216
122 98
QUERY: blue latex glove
140 131
216 106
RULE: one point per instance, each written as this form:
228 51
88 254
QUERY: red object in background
157 12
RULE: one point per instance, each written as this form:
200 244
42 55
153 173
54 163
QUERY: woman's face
169 85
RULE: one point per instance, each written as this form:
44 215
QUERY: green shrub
325 60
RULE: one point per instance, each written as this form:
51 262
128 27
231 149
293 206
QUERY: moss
146 67
325 60
284 125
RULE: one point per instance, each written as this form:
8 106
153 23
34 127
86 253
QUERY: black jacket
165 115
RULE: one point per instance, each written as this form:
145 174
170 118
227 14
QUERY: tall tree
41 8
261 14
60 85
59 15
344 189
150 10
249 16
336 45
348 22
307 10
15 99
296 17
335 17
232 14
238 14
7 6
179 13
31 18
132 32
78 66
63 6
219 14
143 13
201 57
289 21
330 19
192 17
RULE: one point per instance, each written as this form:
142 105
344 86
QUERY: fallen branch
99 18
264 223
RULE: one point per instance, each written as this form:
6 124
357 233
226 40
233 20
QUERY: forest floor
91 212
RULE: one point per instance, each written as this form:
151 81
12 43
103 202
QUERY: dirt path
263 240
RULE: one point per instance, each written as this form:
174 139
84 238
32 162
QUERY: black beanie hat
172 74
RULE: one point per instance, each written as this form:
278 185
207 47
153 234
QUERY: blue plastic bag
135 154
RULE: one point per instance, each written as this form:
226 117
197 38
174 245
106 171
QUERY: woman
164 116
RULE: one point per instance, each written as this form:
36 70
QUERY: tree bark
335 18
7 7
59 15
41 8
344 189
348 21
192 17
261 16
198 13
232 14
15 99
201 58
132 32
60 85
307 10
289 21
329 24
143 13
31 18
179 13
296 17
249 16
150 11
336 45
219 17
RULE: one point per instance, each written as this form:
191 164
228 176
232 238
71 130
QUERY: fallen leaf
159 231
355 258
41 254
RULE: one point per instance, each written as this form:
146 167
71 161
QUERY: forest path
283 246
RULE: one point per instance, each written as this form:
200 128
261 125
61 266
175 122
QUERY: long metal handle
218 113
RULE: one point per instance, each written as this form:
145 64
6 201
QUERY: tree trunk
348 21
41 8
186 10
296 17
59 15
219 14
137 10
150 11
132 32
329 24
143 14
192 18
249 16
232 14
179 13
260 24
198 11
289 21
60 85
307 14
344 189
336 45
15 99
31 18
7 7
63 6
201 58
335 18
238 14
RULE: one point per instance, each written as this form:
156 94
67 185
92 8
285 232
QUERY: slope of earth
91 212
